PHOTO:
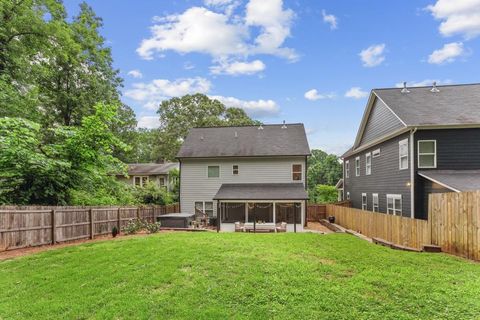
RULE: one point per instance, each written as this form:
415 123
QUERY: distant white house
139 174
245 174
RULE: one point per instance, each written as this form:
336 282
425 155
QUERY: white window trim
364 205
394 209
233 170
141 180
400 143
376 153
375 204
357 168
368 155
219 171
427 154
203 206
347 169
301 171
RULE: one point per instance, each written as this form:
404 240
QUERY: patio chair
239 227
282 227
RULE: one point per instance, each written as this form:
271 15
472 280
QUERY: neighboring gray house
246 173
413 142
139 174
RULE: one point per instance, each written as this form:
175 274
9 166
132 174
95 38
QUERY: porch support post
274 216
219 215
294 218
246 211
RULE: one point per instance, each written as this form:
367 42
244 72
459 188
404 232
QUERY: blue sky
301 61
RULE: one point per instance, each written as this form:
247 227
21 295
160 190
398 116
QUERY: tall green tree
179 115
323 168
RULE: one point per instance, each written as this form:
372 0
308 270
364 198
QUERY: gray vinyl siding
380 122
386 177
196 186
457 149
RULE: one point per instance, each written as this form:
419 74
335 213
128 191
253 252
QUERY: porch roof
455 180
261 191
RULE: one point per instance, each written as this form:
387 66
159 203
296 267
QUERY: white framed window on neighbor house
403 154
296 172
364 201
204 206
161 182
347 169
376 153
140 181
357 166
394 204
375 202
368 164
213 171
348 195
235 170
427 153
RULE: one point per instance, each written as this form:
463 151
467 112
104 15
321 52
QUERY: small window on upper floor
357 166
427 153
347 169
235 169
403 154
368 164
297 172
213 171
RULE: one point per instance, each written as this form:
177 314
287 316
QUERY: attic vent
434 87
284 125
260 127
405 90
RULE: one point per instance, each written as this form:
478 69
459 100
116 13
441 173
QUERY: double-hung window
364 201
375 202
403 154
213 171
205 207
140 181
427 153
347 169
357 166
368 164
394 204
235 170
297 172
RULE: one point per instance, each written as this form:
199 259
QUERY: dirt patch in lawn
316 226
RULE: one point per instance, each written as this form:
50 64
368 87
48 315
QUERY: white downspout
412 173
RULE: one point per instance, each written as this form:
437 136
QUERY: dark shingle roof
151 168
261 191
452 105
457 180
245 141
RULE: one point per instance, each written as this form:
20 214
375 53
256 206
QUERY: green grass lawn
209 275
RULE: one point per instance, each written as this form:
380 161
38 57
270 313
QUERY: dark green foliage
323 194
114 232
323 168
153 194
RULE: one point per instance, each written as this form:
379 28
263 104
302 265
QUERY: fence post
92 230
138 212
54 236
118 220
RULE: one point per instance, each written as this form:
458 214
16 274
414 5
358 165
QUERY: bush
212 221
114 231
153 194
152 227
133 226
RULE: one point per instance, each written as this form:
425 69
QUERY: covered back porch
256 207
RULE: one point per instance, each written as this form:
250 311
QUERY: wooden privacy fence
453 224
33 226
317 212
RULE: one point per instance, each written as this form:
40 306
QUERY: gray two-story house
246 173
413 142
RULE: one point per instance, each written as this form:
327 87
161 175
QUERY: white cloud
223 35
217 2
238 67
373 55
135 73
329 19
423 83
313 95
458 17
254 108
356 93
152 93
448 53
148 122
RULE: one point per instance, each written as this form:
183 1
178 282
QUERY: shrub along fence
453 224
25 226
